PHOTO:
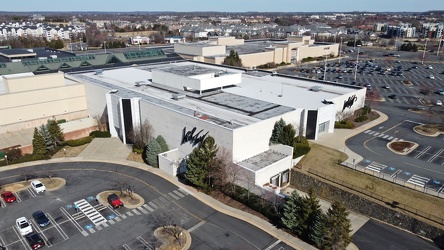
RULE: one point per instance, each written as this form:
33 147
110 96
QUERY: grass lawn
324 160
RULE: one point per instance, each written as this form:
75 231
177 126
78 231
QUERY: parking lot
67 223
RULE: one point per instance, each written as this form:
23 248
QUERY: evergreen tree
337 224
47 137
38 144
152 150
277 130
312 209
233 59
316 230
291 212
198 163
162 143
56 133
287 135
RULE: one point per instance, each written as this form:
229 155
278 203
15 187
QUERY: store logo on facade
189 136
349 102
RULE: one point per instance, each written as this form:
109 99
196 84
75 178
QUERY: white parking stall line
173 195
390 138
2 241
153 205
422 152
142 210
144 242
21 239
18 197
2 203
372 132
118 219
273 245
441 189
385 136
435 155
33 194
148 207
70 218
404 99
376 167
179 193
418 180
367 131
37 228
196 226
57 226
376 134
112 222
126 247
396 173
185 191
381 135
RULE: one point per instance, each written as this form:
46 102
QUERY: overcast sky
224 5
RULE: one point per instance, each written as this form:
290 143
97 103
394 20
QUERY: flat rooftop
262 160
260 96
189 70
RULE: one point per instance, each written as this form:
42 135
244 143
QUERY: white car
38 186
23 226
431 77
430 67
438 103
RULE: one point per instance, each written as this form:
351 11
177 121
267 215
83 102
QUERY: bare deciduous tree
226 172
170 225
141 135
121 186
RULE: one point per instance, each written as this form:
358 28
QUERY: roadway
125 228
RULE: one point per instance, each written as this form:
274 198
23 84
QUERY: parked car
23 226
430 67
38 186
41 218
440 92
114 201
392 96
431 77
339 76
386 86
35 241
438 103
8 197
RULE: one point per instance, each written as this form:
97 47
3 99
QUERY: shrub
344 124
61 121
14 154
138 151
79 142
100 134
300 146
361 118
365 110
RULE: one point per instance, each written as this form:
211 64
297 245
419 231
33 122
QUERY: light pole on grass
340 50
6 158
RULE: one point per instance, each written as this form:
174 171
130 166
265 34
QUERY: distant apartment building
431 30
29 29
380 27
401 30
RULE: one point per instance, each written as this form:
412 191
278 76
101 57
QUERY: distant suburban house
174 39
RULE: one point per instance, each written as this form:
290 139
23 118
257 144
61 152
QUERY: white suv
438 103
38 186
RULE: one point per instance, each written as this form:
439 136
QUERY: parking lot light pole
439 47
340 50
423 53
325 61
357 62
6 158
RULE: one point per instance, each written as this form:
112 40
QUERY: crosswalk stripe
136 212
129 213
148 207
179 194
174 196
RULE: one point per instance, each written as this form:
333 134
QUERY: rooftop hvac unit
113 91
98 72
179 96
316 88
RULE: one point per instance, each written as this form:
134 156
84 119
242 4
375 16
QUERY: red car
115 201
9 197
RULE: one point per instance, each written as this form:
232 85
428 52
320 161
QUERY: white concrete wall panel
96 99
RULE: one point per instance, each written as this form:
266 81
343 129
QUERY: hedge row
361 118
100 134
79 142
344 124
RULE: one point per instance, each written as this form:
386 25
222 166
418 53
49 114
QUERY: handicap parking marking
89 211
418 180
